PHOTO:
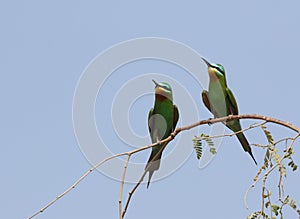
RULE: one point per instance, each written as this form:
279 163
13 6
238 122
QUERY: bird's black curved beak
156 84
206 62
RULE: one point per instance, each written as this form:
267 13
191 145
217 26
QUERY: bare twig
122 185
76 183
277 142
280 186
142 177
263 196
169 138
131 193
235 133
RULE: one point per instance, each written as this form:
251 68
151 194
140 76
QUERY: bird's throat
160 97
213 77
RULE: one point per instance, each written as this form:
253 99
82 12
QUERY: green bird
220 101
162 120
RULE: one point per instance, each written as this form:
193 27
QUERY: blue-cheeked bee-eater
162 120
220 101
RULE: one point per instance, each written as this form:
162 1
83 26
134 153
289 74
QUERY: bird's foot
172 135
209 123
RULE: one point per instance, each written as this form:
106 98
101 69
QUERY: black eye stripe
220 70
166 87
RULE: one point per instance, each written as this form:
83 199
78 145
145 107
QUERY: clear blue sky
44 48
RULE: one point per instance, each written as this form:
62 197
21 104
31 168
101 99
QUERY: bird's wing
233 108
206 100
151 122
175 117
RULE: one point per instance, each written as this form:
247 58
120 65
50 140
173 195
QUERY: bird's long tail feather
245 145
152 165
150 176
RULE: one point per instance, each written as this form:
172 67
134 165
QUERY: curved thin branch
234 117
171 137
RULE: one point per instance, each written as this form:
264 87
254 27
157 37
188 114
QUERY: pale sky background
45 47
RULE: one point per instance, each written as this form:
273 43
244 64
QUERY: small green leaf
275 209
254 215
292 165
293 204
295 167
268 135
213 150
198 147
267 195
282 170
286 200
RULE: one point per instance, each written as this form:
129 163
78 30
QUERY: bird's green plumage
162 120
220 100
